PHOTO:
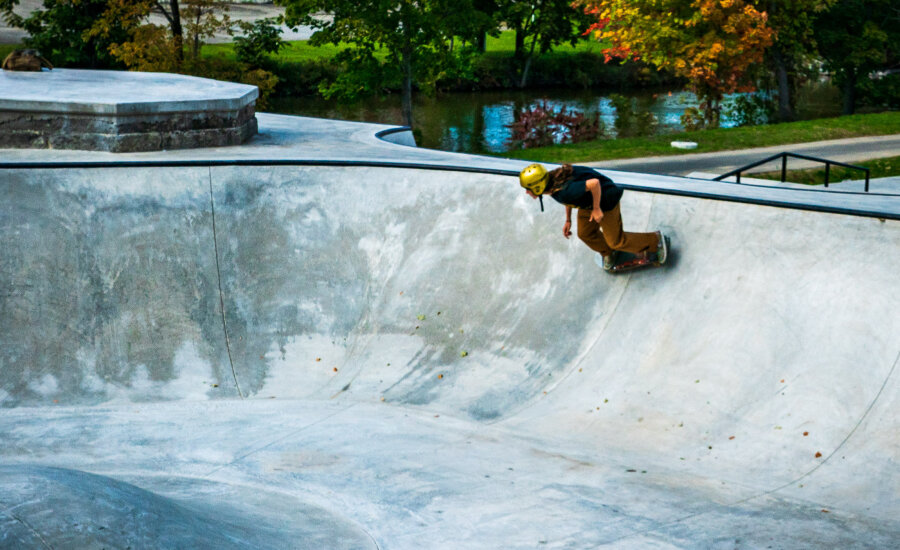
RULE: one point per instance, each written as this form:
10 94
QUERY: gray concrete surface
82 91
97 110
416 358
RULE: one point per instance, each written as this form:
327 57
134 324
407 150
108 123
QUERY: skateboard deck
626 261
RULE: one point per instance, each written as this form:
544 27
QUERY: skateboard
626 261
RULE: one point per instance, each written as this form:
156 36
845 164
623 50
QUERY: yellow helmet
534 178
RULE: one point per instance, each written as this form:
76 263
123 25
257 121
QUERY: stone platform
119 111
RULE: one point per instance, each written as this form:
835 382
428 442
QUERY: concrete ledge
93 110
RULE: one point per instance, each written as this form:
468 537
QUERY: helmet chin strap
541 198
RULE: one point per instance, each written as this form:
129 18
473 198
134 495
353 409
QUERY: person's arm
567 228
593 185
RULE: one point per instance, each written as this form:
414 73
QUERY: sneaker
662 251
609 261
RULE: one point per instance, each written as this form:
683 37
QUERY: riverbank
720 139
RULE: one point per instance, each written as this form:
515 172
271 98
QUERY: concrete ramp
419 355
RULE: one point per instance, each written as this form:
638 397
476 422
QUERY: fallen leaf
818 455
335 369
805 434
464 354
730 438
440 376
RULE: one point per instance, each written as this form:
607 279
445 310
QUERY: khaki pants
606 236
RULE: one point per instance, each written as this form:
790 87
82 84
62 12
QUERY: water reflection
479 122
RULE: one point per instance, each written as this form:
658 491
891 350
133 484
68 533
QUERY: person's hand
596 215
567 229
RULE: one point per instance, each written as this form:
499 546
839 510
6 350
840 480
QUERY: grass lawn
295 51
300 50
6 49
506 43
722 139
878 168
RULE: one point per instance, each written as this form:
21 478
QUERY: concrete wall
746 391
114 287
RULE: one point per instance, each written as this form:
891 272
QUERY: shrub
883 91
221 68
542 125
262 38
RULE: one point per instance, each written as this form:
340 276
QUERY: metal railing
784 157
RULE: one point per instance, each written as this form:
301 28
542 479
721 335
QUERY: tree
413 37
156 48
540 25
855 39
712 43
203 19
262 37
58 32
792 21
160 48
489 10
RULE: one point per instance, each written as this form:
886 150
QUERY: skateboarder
599 220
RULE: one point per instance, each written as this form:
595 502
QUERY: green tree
489 22
156 48
855 39
792 21
58 32
202 20
540 25
414 36
262 37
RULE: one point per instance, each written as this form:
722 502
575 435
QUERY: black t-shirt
575 194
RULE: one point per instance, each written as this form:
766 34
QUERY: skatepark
326 337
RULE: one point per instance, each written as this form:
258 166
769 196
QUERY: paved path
852 150
237 12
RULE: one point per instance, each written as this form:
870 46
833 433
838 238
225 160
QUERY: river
478 122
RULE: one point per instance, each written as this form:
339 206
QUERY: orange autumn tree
711 43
